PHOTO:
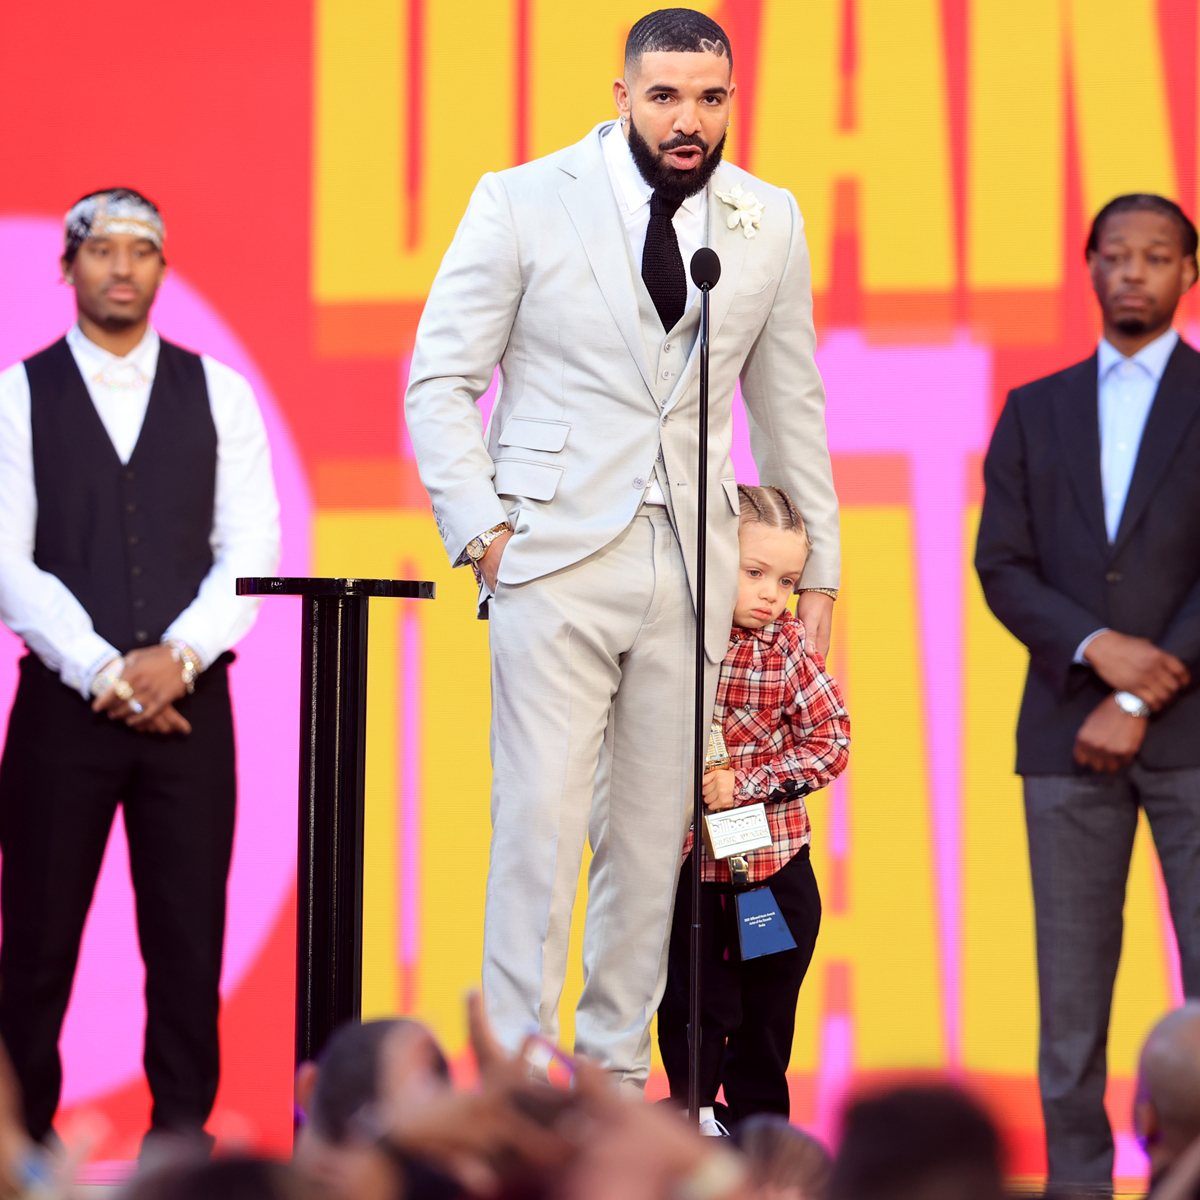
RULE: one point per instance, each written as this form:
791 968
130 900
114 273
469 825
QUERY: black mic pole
706 270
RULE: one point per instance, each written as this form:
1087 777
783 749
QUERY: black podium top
405 589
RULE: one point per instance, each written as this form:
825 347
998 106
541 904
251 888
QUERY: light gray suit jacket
540 280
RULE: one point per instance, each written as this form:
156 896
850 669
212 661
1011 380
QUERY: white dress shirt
38 606
633 200
1126 391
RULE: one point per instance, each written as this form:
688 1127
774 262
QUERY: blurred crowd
381 1119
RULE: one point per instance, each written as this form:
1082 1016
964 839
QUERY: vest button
133 539
131 508
135 570
129 475
1113 577
141 635
139 604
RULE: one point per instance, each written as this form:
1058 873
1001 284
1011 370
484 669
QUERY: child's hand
718 790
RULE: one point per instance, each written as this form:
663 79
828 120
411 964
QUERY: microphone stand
706 271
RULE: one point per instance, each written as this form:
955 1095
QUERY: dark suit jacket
1052 577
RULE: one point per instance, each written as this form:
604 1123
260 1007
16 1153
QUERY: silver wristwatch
1135 706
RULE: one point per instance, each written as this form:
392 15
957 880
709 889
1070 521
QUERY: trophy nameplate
733 830
736 830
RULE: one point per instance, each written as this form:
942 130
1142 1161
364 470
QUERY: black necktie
662 264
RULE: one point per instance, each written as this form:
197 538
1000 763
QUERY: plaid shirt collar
766 636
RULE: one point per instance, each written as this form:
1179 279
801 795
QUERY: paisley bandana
117 211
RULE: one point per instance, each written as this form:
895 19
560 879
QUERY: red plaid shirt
787 731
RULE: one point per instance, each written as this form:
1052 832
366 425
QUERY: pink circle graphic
102 1037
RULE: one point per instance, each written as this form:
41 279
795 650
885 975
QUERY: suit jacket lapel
592 206
731 246
1175 406
1077 421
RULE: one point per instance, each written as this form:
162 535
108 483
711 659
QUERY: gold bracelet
832 593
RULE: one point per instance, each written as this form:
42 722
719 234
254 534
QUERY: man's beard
1132 326
671 183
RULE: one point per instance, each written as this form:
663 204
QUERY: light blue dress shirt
1127 387
1127 390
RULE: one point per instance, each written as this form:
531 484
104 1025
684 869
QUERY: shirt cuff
102 654
178 631
1087 641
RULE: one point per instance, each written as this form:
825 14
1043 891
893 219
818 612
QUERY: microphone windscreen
706 267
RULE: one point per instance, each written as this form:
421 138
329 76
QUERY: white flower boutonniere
747 212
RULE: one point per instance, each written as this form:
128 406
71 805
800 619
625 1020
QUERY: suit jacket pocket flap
532 434
731 494
527 480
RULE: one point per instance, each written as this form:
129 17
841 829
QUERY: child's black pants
748 1009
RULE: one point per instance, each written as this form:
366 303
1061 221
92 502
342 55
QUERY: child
787 733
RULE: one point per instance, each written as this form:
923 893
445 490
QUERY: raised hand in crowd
483 1138
1134 664
154 682
631 1151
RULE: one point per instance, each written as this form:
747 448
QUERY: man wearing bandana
135 486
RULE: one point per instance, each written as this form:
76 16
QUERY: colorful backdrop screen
312 162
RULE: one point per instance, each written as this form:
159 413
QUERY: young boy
787 733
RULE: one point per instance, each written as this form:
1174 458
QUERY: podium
333 741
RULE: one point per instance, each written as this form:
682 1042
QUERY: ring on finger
136 706
124 689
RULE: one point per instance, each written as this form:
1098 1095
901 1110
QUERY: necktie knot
661 206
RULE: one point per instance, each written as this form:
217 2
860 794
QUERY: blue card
761 927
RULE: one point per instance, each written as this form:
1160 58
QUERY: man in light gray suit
576 506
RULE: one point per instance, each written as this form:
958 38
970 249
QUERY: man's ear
306 1084
1145 1122
1189 273
622 97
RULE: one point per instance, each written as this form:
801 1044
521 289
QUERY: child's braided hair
772 506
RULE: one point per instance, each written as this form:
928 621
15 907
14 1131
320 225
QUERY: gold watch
477 547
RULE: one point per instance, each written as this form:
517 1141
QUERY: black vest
130 540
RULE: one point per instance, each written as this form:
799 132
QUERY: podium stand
333 739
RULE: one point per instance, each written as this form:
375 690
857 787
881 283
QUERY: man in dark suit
1089 552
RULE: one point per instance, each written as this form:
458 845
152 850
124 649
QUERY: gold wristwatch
477 547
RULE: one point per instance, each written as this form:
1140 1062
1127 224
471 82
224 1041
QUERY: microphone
706 268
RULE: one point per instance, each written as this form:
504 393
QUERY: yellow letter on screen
897 150
888 930
465 114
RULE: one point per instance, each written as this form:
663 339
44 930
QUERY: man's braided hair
772 506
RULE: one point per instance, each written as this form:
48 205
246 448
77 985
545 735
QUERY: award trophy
733 833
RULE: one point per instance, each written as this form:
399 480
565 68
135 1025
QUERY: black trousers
64 771
748 1009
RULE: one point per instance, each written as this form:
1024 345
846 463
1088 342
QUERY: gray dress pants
1081 830
592 700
